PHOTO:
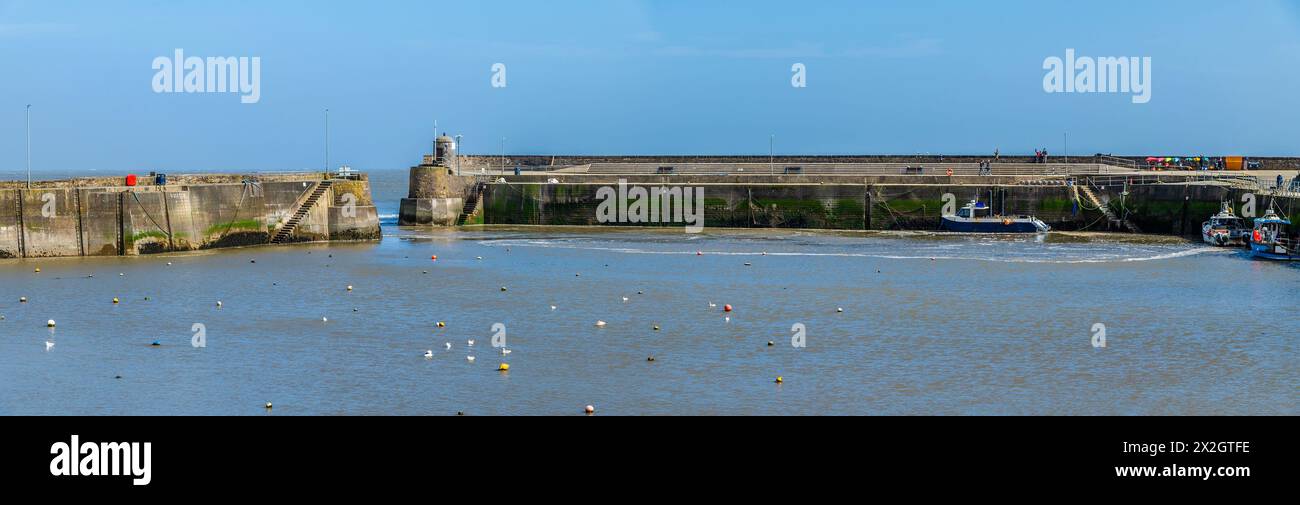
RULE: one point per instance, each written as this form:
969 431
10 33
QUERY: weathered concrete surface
59 219
822 206
430 211
50 223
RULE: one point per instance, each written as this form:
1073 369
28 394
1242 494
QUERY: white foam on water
1093 254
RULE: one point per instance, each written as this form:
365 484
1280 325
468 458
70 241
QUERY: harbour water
931 324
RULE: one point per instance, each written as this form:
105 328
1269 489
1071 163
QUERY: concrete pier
104 217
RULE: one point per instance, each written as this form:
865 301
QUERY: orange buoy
434 257
726 308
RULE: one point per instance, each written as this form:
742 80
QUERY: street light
503 155
458 154
771 154
327 140
29 146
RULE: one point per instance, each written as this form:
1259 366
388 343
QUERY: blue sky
638 77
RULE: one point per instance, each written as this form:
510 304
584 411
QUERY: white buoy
600 324
839 309
590 409
49 324
349 287
218 304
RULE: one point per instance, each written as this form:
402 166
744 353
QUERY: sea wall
822 206
67 218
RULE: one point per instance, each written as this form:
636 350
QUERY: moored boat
1274 238
976 217
1225 228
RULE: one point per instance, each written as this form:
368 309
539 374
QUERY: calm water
988 326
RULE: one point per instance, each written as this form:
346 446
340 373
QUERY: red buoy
434 257
726 308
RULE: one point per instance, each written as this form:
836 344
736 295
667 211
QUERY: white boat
1225 228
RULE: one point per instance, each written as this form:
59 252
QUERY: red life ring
949 172
1258 238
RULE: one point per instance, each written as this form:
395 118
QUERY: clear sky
638 77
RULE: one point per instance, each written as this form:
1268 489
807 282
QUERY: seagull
552 307
470 359
712 305
428 354
600 324
470 342
324 319
624 299
448 346
505 351
49 345
728 319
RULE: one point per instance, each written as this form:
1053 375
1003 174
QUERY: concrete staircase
471 205
286 230
1110 214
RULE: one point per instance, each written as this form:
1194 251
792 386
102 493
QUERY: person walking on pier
997 156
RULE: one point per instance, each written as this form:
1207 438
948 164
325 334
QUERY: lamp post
458 155
771 154
29 146
327 141
503 155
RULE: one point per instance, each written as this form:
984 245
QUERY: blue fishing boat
976 217
1273 238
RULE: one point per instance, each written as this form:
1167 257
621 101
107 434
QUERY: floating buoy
121 274
49 324
503 368
434 257
155 344
169 263
22 299
577 275
424 272
38 270
349 287
478 257
146 298
780 379
839 309
442 324
115 300
590 409
770 343
117 376
252 261
503 288
268 405
652 358
218 303
726 308
656 327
